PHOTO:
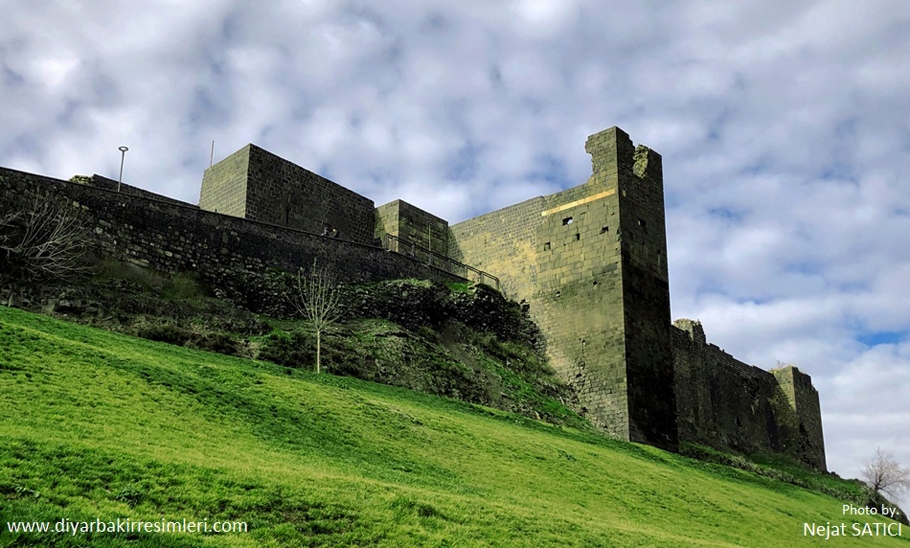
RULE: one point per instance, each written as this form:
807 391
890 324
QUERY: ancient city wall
276 191
578 300
645 279
721 401
502 243
226 251
588 268
544 251
414 225
106 183
809 442
589 261
727 404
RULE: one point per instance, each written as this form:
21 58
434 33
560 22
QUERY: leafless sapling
315 296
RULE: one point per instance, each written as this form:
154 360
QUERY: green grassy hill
99 425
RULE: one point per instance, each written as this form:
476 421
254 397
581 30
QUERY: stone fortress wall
257 185
412 224
226 251
723 402
589 261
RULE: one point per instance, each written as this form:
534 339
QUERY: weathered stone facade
722 402
224 250
255 184
412 224
590 262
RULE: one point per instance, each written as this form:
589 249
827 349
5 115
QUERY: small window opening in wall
546 246
577 236
595 283
604 229
558 294
642 223
567 221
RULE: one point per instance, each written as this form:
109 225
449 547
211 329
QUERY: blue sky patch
881 337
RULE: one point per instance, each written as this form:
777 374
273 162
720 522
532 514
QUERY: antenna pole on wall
212 155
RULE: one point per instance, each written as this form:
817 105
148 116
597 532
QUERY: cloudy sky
784 127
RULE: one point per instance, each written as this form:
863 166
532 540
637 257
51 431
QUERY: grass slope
95 424
453 340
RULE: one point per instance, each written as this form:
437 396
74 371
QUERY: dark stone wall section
414 225
727 404
257 185
98 181
285 194
224 250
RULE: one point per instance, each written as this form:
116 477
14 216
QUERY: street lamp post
122 157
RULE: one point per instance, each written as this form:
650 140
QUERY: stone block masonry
224 250
808 443
224 185
590 262
412 224
727 404
257 185
106 183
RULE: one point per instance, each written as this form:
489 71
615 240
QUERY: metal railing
431 258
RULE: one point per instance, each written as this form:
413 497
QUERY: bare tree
884 474
46 240
316 298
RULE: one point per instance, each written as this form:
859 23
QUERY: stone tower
257 185
807 442
591 263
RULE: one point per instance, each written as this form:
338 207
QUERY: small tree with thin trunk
315 296
883 474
